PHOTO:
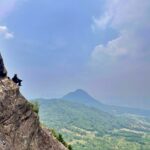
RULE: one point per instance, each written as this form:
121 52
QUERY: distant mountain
82 97
90 128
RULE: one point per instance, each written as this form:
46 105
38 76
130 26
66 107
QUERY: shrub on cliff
35 106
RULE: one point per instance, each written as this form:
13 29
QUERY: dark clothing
17 80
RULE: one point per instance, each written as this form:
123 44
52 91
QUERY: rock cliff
19 125
3 71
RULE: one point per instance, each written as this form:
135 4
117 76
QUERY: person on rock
17 80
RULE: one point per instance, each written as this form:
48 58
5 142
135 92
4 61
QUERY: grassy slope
89 128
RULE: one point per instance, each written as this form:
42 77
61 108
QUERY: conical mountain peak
81 96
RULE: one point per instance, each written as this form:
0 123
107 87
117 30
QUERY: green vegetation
87 128
35 106
60 138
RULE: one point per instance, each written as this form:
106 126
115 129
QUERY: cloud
131 19
101 22
5 32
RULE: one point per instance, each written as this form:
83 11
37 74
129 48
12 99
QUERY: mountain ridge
83 126
82 97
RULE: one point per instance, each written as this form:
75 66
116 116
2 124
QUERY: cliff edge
19 126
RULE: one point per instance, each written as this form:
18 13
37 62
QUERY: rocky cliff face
19 125
3 71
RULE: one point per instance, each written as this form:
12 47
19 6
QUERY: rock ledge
19 125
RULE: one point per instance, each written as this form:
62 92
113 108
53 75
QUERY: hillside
82 97
84 117
87 127
19 125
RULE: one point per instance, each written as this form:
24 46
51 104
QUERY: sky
101 46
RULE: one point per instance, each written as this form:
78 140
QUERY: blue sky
101 46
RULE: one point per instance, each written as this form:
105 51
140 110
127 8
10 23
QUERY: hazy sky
57 46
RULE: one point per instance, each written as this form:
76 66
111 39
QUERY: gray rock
3 71
19 125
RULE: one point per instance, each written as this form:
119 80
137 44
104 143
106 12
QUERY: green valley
89 128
